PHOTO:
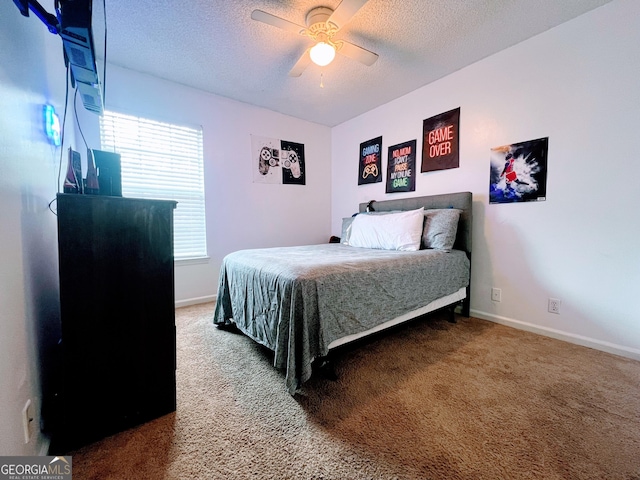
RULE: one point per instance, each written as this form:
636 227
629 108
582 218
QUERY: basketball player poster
370 165
519 172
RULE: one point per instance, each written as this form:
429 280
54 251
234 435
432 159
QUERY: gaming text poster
519 172
277 161
370 165
440 141
401 165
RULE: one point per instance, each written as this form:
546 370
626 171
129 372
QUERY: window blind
162 161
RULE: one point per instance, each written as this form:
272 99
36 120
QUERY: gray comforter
297 300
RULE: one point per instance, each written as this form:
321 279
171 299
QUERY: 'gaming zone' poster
277 161
370 165
519 172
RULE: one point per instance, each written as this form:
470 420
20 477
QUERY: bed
302 302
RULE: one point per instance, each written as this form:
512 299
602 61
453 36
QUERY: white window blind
164 162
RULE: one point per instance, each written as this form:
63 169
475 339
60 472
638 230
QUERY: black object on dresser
117 315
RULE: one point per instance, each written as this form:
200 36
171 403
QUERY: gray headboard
459 200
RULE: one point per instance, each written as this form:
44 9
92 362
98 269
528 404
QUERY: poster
401 165
440 141
277 161
370 165
519 172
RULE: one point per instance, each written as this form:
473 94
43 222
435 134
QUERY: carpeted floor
431 400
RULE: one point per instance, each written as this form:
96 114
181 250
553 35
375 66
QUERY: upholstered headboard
460 200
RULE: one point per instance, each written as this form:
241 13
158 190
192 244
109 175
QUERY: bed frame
298 349
460 200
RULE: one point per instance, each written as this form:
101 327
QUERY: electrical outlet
27 420
554 305
496 294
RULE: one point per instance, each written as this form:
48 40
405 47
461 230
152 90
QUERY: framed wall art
519 172
370 165
440 141
401 164
277 161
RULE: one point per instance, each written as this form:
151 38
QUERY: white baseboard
576 339
196 301
560 335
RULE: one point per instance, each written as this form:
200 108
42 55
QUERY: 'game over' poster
440 140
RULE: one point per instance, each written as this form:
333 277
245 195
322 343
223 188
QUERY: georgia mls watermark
35 468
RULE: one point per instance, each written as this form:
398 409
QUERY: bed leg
452 313
466 303
327 369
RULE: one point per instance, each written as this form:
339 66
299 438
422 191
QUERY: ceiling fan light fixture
322 53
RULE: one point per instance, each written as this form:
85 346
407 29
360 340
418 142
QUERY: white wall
577 84
32 73
240 213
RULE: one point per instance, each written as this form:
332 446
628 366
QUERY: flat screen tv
73 23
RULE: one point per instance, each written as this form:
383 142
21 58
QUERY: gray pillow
440 228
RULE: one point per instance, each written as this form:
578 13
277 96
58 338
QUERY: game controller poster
277 161
401 164
370 169
440 141
519 172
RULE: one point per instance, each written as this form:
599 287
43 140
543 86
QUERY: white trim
44 446
196 301
608 347
182 262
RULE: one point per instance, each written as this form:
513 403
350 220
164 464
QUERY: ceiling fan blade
269 19
345 11
357 53
302 63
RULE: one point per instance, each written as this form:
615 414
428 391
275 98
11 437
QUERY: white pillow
395 231
347 221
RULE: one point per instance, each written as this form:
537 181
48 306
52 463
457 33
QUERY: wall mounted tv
73 23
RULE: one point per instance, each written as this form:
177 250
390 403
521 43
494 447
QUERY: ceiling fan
323 24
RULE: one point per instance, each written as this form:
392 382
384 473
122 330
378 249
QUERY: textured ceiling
214 45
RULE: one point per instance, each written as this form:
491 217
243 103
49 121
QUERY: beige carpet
432 400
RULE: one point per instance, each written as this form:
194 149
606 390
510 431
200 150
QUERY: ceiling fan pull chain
321 84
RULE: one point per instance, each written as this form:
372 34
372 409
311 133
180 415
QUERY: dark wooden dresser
117 315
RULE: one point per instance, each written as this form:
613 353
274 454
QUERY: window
164 162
